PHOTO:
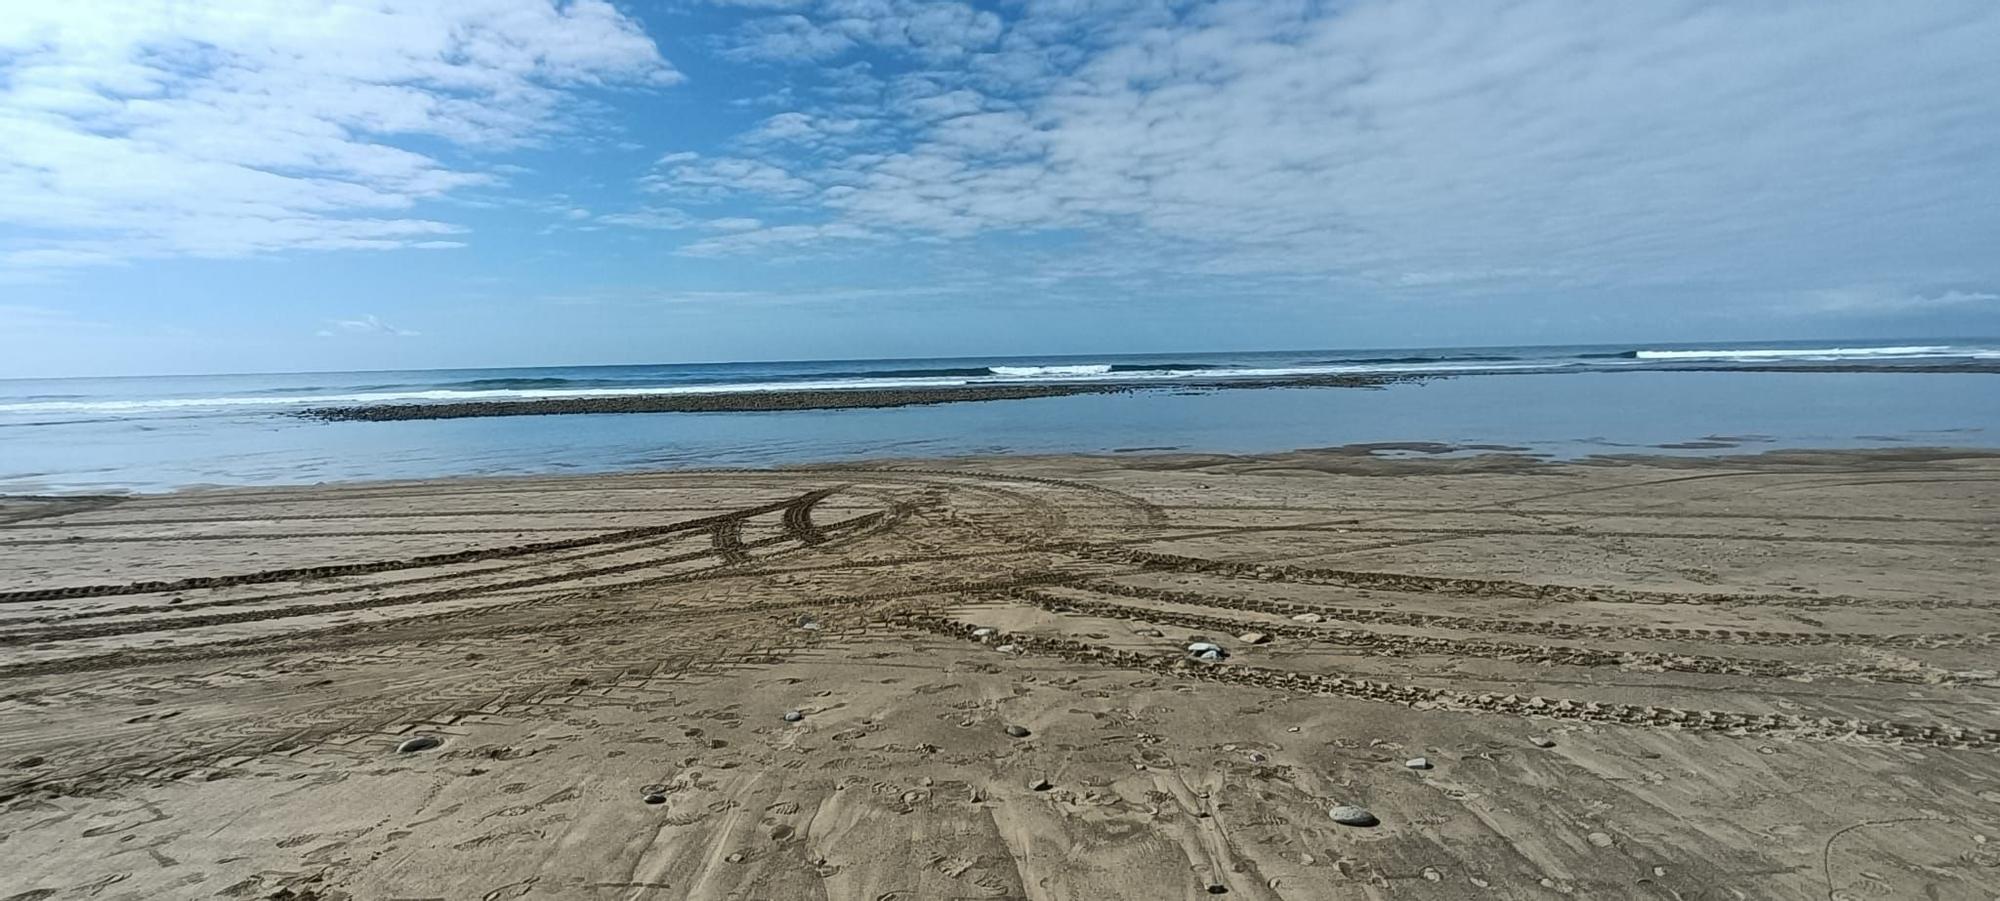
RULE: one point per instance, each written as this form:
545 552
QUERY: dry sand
1759 677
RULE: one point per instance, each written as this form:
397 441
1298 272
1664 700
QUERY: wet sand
1763 676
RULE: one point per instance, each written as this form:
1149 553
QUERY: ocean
1562 402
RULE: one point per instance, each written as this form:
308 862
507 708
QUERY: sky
196 186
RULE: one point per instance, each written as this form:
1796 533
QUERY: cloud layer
154 128
1401 146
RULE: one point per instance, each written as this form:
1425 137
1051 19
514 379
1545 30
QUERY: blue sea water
76 435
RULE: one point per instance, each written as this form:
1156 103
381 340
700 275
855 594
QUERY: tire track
1919 640
351 569
1383 644
1890 732
1453 585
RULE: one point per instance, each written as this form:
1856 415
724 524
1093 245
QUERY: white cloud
934 30
691 176
156 128
366 325
1427 145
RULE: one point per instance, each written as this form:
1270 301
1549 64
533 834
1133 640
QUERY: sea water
80 435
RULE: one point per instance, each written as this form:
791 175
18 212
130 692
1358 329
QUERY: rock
1542 741
809 624
1600 839
1349 815
1204 650
1217 888
1418 763
418 743
1307 618
793 716
1008 649
1253 638
1151 633
1018 731
984 632
735 857
654 798
30 762
1040 785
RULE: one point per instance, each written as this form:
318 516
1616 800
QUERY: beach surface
1753 676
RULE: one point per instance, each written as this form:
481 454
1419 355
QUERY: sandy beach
1767 676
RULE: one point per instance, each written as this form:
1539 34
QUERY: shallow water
1559 415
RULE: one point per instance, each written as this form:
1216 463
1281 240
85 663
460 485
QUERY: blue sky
239 185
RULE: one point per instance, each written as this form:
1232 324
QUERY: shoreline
1396 458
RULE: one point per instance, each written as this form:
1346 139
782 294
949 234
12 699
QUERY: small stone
1292 729
1208 651
1217 888
1599 839
1307 618
810 626
1349 815
1018 731
1040 785
1008 649
793 716
654 798
735 857
1542 741
418 743
1418 763
1253 638
984 633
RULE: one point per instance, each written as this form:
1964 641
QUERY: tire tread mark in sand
733 550
727 537
1399 645
377 714
1720 722
348 569
1543 627
1458 585
1205 530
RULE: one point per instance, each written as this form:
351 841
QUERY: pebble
1040 785
810 626
1253 638
654 798
1542 741
1307 618
735 857
793 716
1418 763
419 743
1018 731
1349 815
